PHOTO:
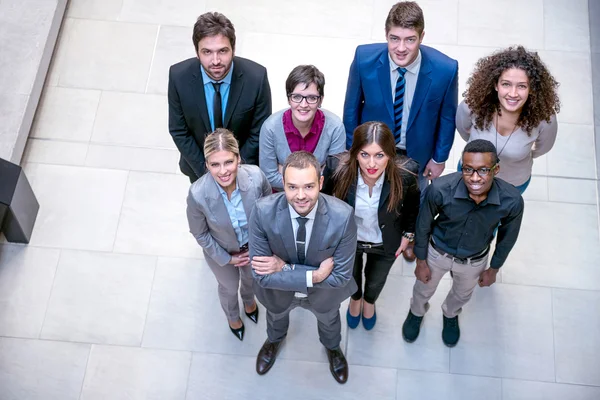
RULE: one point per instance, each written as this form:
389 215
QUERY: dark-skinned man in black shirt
456 224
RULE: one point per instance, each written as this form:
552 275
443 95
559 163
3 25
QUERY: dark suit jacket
333 235
392 224
430 129
248 106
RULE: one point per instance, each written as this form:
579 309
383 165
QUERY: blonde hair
220 140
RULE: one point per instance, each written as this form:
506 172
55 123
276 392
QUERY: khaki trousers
466 277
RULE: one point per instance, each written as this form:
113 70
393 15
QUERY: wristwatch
410 236
288 267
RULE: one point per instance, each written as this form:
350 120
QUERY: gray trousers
329 323
466 277
229 278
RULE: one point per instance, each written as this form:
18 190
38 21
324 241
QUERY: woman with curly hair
511 101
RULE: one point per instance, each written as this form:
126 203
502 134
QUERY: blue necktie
399 103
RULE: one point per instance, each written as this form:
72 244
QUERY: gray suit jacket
207 215
333 235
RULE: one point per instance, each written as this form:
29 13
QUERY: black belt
368 245
460 260
243 248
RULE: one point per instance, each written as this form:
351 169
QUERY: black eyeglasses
484 171
310 99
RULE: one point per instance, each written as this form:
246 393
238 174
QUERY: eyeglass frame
303 98
462 170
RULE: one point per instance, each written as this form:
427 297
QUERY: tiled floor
112 298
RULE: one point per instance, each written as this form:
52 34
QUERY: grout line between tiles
152 61
121 213
50 294
85 371
149 300
553 333
187 382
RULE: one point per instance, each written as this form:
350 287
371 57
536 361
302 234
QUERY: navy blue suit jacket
430 130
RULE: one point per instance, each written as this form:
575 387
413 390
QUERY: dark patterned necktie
217 110
399 104
301 239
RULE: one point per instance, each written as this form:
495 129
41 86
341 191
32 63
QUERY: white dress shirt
365 210
309 225
411 76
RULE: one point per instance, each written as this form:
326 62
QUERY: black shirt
463 228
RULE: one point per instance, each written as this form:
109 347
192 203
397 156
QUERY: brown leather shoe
266 357
338 365
409 254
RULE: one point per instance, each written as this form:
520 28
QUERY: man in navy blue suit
410 87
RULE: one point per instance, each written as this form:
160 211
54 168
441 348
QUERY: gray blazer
274 147
207 215
333 234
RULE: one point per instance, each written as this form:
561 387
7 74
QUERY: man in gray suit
302 247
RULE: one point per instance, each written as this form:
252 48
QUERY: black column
18 205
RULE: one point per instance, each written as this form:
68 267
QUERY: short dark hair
301 160
305 74
405 14
212 24
482 146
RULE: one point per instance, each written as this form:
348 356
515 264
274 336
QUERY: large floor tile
172 46
99 298
576 333
132 158
211 378
573 71
537 189
41 370
153 219
384 347
291 18
184 295
132 119
66 113
58 56
93 61
501 23
528 390
26 275
79 207
55 152
540 257
95 9
573 152
568 190
566 25
506 331
135 374
163 12
434 386
441 18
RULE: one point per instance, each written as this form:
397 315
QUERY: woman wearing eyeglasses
303 126
511 101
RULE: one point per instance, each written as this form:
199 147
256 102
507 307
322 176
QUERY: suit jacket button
382 226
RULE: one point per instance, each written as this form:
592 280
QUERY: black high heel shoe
238 333
253 315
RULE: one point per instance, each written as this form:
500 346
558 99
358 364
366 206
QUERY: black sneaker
411 327
451 331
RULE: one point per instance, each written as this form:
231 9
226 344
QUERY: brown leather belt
460 260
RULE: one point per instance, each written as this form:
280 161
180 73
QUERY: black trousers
376 271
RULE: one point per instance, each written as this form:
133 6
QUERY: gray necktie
301 239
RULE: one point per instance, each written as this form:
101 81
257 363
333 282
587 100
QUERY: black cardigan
392 224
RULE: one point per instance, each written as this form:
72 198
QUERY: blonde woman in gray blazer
218 211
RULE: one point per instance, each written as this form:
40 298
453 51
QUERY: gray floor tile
528 390
135 374
55 152
180 13
211 378
99 298
566 25
95 9
506 331
26 275
132 158
578 191
576 333
434 386
41 370
573 153
384 347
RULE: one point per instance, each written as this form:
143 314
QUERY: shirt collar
310 215
412 67
493 196
207 79
378 182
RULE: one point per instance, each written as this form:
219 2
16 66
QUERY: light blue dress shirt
237 215
209 93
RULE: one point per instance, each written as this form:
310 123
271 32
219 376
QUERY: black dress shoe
338 365
253 315
266 356
451 331
238 333
411 327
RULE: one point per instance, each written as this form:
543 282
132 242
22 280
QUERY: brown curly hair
482 98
